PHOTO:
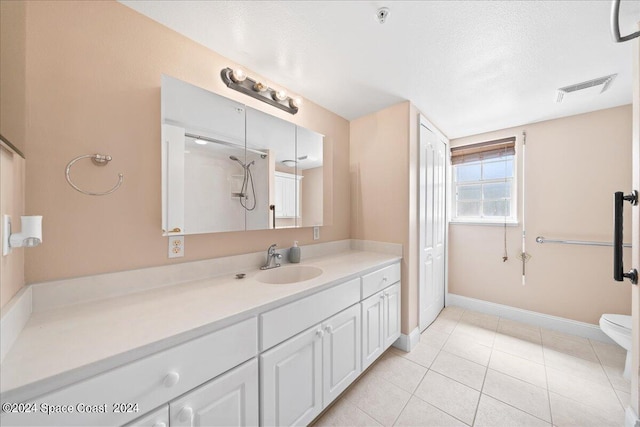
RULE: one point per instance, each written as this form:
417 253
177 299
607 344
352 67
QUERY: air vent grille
604 81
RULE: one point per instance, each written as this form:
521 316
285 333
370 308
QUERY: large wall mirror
229 167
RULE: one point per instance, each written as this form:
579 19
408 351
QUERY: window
484 183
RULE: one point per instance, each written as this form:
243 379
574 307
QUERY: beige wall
12 171
12 72
12 127
574 165
93 85
379 159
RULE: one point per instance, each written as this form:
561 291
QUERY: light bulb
259 86
279 95
200 141
238 75
295 102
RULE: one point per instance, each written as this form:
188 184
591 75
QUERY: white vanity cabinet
228 400
372 328
125 393
157 418
301 376
380 312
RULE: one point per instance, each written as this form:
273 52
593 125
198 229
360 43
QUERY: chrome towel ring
98 160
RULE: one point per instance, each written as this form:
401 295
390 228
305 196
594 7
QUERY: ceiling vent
605 82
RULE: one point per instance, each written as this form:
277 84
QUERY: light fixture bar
248 86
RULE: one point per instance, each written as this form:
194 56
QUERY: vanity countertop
65 345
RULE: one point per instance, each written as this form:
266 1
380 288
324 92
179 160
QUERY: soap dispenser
294 253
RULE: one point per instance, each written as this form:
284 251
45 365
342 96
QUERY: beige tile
452 312
624 398
617 379
527 397
610 354
343 413
378 398
420 413
549 333
423 354
480 335
591 371
433 338
520 330
399 371
454 398
443 325
570 345
519 347
459 369
485 321
595 395
523 369
464 345
493 413
569 413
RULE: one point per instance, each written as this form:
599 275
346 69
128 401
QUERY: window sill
490 223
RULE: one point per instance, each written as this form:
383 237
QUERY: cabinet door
228 400
341 359
372 328
157 418
291 380
391 314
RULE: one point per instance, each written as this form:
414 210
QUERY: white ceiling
469 66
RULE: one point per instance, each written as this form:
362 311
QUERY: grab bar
541 239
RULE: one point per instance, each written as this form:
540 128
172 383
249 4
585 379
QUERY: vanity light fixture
200 141
238 75
237 79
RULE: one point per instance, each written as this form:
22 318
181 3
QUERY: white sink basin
288 274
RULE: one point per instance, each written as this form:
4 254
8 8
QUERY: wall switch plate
176 246
316 233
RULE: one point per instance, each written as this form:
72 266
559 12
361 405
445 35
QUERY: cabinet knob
171 379
381 296
186 415
160 424
329 329
386 294
384 279
320 333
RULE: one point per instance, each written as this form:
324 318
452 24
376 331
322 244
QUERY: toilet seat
619 320
618 328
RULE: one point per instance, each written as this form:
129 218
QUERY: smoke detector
605 82
382 14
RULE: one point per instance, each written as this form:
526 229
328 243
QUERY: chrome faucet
271 255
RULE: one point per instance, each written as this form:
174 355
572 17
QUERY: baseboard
568 326
408 342
14 316
631 418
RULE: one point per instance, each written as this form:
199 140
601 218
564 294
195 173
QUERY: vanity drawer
147 383
286 321
378 280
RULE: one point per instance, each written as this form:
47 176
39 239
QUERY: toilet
618 328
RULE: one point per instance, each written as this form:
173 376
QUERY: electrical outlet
176 246
316 233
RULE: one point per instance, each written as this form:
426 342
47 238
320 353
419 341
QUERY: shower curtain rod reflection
541 239
228 144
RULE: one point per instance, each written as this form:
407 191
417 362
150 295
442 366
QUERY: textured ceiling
469 66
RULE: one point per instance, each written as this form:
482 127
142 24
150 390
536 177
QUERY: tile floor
475 369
